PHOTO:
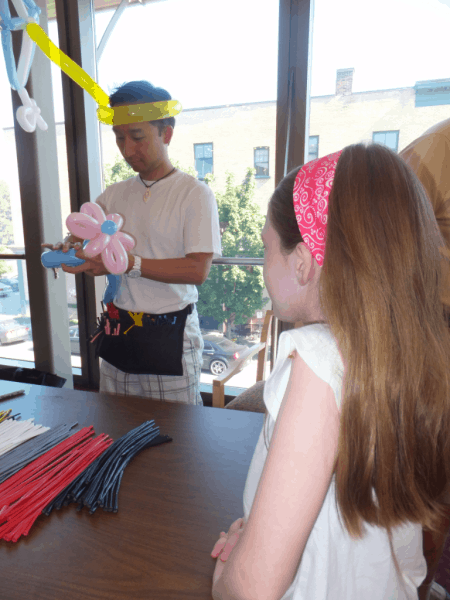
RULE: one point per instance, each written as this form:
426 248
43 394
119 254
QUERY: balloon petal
97 245
94 210
118 220
126 240
82 225
115 257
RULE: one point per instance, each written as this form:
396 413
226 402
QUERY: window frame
76 32
432 93
195 158
309 147
396 131
76 21
41 220
255 150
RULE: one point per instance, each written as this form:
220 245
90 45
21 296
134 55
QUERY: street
10 306
10 309
244 379
24 351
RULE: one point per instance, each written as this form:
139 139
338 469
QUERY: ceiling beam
98 5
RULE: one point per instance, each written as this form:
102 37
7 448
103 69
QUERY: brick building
234 137
243 135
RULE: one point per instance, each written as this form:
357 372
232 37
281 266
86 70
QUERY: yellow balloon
137 113
66 64
120 115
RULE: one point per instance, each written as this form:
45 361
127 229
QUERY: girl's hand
227 541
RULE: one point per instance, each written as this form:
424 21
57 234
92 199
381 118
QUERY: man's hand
64 246
92 266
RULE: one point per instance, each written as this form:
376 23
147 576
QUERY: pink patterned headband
311 190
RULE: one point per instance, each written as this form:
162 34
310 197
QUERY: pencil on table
12 395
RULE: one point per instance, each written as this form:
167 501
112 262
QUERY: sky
210 53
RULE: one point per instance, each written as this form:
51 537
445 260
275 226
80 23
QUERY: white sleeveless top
333 565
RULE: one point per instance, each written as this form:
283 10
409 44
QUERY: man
174 219
429 157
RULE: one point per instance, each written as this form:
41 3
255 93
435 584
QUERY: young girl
354 455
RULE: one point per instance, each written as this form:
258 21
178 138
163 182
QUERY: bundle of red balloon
55 468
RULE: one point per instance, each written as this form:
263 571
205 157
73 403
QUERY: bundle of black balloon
98 486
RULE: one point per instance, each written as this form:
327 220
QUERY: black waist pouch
141 343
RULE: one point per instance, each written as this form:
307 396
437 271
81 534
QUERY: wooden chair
218 399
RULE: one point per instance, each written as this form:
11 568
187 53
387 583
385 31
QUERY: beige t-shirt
429 158
180 217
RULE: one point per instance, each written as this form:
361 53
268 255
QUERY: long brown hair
379 291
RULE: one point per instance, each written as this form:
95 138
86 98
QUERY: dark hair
133 91
379 291
282 214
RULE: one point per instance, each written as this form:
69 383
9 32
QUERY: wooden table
174 501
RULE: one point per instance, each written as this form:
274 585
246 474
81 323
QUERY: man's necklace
147 191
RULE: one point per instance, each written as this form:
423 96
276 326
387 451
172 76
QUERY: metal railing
257 262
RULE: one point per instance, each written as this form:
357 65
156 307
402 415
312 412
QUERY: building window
203 154
386 138
432 93
313 150
261 156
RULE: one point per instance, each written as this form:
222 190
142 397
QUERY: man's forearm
171 270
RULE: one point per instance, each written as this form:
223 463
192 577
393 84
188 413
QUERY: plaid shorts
185 388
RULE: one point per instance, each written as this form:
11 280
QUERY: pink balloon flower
104 235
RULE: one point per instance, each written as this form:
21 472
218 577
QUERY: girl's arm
293 485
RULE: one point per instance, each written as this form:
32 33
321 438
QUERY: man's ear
167 134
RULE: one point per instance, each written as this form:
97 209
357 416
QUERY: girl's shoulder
316 338
318 348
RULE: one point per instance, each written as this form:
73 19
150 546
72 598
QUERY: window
432 93
208 139
313 151
203 154
261 156
386 138
32 303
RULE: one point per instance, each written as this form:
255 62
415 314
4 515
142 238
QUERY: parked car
12 282
11 331
219 354
74 339
5 289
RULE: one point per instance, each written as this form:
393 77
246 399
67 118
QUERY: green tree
5 265
189 170
118 171
232 294
6 229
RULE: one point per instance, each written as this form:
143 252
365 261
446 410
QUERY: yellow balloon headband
119 115
136 113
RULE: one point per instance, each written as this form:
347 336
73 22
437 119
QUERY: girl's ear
305 265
